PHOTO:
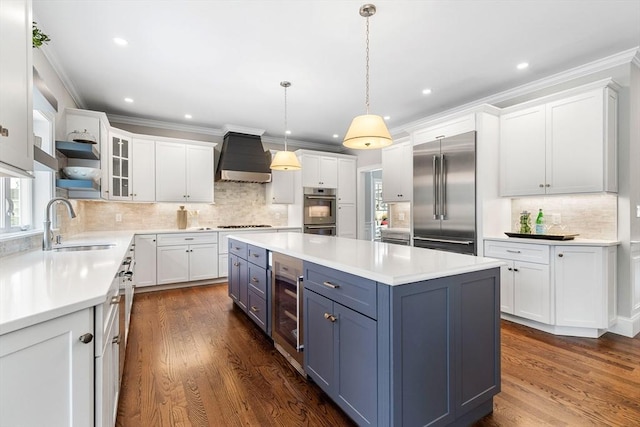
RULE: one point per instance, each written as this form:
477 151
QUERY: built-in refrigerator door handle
435 187
443 188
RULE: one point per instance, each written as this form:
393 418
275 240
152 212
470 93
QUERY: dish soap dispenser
540 222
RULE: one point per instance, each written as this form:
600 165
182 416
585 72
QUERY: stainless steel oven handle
460 242
319 226
320 197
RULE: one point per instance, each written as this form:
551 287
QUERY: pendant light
285 160
367 131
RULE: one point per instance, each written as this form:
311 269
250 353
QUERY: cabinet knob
515 269
115 300
330 317
548 185
510 269
236 264
541 186
86 338
116 339
4 131
560 255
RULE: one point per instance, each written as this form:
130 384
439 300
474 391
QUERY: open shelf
78 150
78 184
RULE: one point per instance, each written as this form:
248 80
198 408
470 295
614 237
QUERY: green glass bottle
540 223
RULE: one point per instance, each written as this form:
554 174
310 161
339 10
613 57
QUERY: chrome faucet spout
48 232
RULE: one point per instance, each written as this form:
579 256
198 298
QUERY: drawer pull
254 280
331 285
237 248
115 300
510 269
511 251
116 339
330 317
515 269
255 309
188 238
560 255
255 255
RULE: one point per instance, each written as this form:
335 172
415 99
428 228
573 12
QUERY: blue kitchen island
396 335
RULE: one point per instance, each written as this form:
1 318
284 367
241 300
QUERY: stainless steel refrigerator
444 194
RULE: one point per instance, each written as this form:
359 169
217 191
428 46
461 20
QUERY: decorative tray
542 236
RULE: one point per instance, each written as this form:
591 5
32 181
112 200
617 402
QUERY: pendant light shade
285 160
367 131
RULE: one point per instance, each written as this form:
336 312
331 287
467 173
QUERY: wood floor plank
194 359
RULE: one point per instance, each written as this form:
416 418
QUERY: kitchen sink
83 247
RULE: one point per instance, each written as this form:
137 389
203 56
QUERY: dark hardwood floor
195 360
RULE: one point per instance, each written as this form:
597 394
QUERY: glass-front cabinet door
120 167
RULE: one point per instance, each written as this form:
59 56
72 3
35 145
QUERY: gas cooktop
245 226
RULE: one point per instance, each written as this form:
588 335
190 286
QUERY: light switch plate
556 219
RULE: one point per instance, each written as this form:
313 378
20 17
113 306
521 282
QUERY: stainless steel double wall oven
320 211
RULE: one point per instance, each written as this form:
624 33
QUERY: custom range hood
243 159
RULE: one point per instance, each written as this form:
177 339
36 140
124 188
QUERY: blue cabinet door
243 284
233 278
356 362
319 342
341 355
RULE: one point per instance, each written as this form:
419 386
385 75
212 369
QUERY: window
16 203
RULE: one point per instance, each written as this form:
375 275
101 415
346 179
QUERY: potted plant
39 38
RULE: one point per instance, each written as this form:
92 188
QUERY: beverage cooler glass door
287 302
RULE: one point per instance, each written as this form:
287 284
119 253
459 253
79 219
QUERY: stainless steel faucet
48 232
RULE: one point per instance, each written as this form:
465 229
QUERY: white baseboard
627 326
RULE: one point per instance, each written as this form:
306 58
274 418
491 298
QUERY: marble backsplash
235 203
592 216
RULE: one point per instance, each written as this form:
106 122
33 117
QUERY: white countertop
575 242
382 262
36 286
218 229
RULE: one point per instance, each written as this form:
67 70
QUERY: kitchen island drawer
258 279
517 251
257 256
352 291
172 239
238 248
257 309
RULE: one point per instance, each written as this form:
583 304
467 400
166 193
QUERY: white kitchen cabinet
346 217
281 188
16 77
346 190
319 171
119 166
145 255
184 172
143 170
108 372
47 373
561 145
635 276
397 173
585 287
185 257
526 285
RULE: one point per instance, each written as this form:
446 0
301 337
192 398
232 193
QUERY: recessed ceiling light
335 135
386 117
522 65
120 42
426 91
129 100
288 132
188 116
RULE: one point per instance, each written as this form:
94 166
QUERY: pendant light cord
285 116
367 69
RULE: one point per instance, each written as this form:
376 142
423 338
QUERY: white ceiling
222 61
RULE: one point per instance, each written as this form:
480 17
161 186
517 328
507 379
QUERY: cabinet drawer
352 291
238 248
257 309
517 251
258 280
186 238
257 256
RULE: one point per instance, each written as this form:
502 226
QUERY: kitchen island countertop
385 263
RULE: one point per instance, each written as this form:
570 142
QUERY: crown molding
136 121
66 81
620 58
294 143
242 129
